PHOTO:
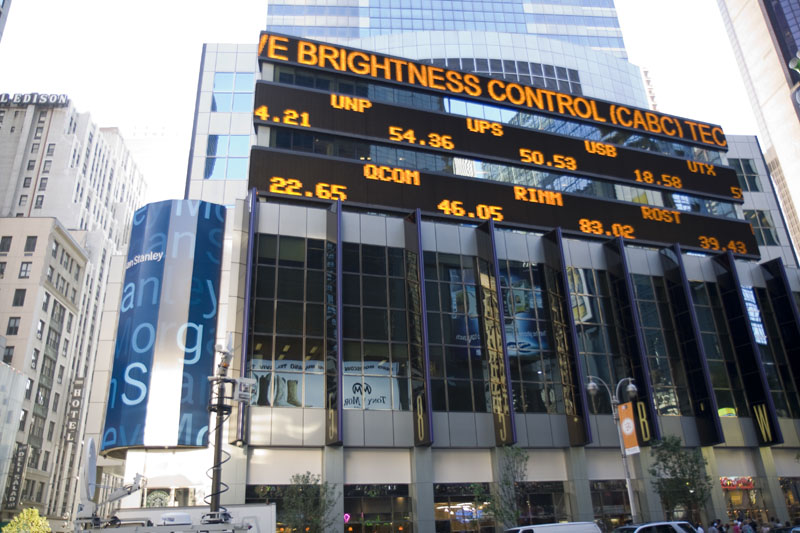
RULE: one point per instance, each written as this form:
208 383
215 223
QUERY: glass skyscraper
296 269
765 35
590 23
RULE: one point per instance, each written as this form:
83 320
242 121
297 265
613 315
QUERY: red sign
736 483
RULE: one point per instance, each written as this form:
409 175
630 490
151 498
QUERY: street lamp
631 391
794 63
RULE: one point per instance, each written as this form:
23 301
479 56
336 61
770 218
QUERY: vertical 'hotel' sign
159 390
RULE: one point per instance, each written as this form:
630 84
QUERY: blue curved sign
159 390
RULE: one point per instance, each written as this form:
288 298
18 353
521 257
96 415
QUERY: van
561 527
675 526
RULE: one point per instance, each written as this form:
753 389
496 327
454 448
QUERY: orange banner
627 425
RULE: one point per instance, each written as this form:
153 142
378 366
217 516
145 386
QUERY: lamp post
221 409
631 390
794 63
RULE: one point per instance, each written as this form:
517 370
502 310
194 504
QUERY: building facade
296 268
586 23
42 285
371 328
56 163
765 36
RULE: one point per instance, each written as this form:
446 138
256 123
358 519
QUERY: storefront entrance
743 500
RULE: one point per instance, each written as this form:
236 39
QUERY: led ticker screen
299 175
422 76
287 105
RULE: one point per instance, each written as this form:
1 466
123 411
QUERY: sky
135 65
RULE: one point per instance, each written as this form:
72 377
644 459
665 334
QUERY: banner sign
370 66
15 482
627 426
736 483
159 390
74 409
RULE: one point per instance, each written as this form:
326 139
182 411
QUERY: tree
679 476
308 503
28 521
504 500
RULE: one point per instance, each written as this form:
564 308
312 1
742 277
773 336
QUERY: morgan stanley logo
143 258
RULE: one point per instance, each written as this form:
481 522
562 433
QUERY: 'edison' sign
159 390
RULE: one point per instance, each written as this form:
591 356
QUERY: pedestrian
747 528
713 527
737 526
699 528
765 527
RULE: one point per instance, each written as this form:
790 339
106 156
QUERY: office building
56 163
765 36
573 47
405 422
591 24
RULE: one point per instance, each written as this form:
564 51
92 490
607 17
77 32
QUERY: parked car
657 527
560 527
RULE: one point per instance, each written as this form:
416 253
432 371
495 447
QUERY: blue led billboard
159 390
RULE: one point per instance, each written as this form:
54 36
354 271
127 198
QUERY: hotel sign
74 409
55 100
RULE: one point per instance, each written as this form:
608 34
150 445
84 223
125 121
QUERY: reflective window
535 373
374 328
288 342
458 368
763 228
747 174
773 356
227 157
667 374
233 92
725 377
598 341
457 507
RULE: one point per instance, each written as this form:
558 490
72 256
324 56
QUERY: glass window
763 228
25 269
227 157
13 325
30 243
8 354
5 243
19 298
223 81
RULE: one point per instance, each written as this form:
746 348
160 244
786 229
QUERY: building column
333 473
715 507
579 491
421 489
648 500
774 500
